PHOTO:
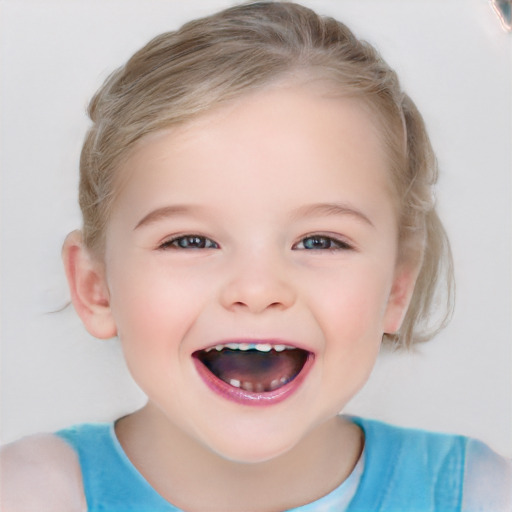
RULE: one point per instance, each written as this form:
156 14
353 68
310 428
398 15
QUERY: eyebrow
164 212
333 209
329 209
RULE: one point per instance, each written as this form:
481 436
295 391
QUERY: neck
194 478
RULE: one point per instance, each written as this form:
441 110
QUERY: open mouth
252 369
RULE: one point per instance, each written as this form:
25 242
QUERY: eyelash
316 242
323 243
189 242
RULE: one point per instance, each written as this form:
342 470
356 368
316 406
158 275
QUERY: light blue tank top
405 470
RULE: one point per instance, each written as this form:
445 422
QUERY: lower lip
241 396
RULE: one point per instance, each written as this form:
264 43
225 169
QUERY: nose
256 285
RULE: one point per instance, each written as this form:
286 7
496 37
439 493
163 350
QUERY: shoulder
487 481
437 448
42 473
450 461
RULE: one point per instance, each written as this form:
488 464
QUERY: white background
454 60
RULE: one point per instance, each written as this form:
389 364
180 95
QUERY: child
258 216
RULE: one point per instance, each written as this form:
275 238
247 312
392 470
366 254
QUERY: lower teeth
258 386
252 370
247 386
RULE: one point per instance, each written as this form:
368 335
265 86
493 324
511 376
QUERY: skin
249 178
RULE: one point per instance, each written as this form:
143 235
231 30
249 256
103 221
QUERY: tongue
253 370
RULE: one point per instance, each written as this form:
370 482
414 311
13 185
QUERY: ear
88 287
400 296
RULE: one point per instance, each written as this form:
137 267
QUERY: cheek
353 305
154 306
351 315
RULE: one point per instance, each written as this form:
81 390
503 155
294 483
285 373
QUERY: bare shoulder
40 473
488 480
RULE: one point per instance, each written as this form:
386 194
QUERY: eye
322 242
189 242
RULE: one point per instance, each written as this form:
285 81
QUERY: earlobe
88 287
400 296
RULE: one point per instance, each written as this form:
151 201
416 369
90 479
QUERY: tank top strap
423 470
111 482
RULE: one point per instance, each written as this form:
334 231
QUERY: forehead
266 142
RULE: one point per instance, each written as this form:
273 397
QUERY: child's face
268 221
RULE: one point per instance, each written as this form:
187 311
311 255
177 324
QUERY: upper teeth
260 347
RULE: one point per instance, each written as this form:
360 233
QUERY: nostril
256 291
257 307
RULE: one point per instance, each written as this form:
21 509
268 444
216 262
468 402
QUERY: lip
251 398
270 341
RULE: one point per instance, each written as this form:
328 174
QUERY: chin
252 449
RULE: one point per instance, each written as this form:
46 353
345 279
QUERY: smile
260 373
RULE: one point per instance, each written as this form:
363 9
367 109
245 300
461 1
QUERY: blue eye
190 242
321 242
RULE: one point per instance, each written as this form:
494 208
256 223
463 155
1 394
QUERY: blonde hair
178 75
